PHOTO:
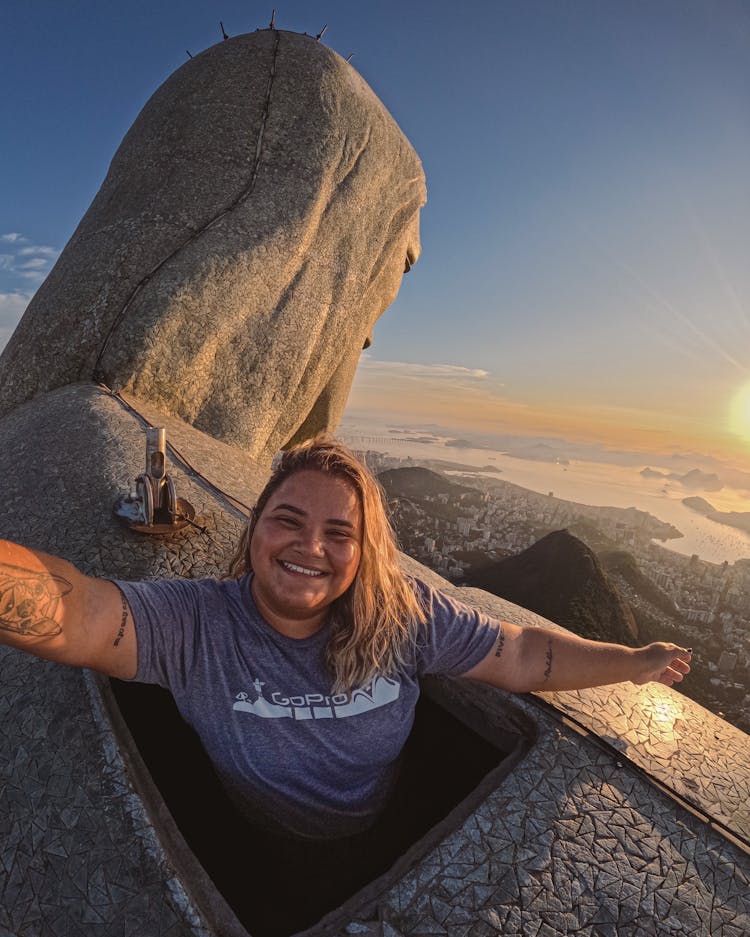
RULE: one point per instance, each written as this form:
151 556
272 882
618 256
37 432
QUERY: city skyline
583 271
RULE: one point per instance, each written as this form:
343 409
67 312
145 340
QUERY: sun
739 413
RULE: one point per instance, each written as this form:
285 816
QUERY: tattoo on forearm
29 601
123 622
548 658
500 643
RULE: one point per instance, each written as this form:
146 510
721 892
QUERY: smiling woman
370 620
305 551
300 672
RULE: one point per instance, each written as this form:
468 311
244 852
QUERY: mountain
695 478
623 571
560 578
738 519
699 505
707 481
539 452
462 444
419 484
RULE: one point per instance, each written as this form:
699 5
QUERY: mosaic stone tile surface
574 840
78 854
573 843
699 756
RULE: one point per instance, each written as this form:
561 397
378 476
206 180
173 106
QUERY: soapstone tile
390 931
536 860
467 852
489 916
560 925
426 927
426 872
459 870
604 929
481 929
481 895
406 889
536 898
459 930
507 888
549 928
439 889
483 823
440 910
460 918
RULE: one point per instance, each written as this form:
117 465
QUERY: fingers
675 663
678 667
664 663
681 656
670 676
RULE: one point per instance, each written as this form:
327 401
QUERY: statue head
255 222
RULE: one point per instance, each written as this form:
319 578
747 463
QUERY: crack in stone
98 375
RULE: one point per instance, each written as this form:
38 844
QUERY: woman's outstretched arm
526 659
49 609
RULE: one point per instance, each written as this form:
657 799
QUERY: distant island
695 478
463 444
538 452
443 465
738 519
533 452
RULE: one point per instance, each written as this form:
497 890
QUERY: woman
300 673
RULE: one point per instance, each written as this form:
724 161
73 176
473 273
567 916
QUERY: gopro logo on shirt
381 692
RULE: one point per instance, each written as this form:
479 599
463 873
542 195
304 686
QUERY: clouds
23 263
23 266
443 374
435 371
12 306
471 399
423 391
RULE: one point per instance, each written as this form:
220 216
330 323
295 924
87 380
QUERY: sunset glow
739 413
473 399
664 712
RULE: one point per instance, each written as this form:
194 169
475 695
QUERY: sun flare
739 413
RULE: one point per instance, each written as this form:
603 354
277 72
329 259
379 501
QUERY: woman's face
305 550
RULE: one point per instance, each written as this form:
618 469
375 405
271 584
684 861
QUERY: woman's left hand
527 659
662 663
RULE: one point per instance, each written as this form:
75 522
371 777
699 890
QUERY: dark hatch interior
444 763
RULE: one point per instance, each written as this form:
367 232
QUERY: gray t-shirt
317 764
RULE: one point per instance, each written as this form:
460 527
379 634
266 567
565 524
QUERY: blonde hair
374 621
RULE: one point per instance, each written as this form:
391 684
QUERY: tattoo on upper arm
123 622
29 601
500 643
548 657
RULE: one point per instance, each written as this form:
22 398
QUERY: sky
585 267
